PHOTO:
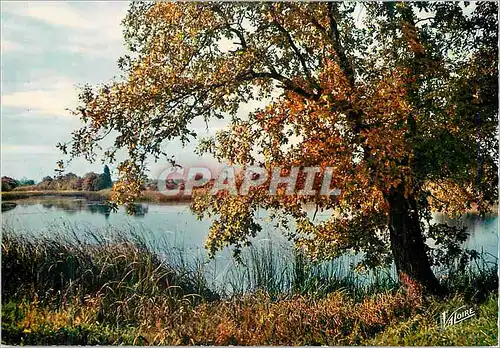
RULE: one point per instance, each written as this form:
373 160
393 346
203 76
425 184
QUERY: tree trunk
407 242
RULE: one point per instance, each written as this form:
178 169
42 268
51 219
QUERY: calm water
176 224
173 222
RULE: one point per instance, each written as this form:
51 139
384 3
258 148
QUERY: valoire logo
457 316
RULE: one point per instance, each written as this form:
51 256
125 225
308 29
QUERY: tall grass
283 270
80 286
69 259
476 280
120 267
279 269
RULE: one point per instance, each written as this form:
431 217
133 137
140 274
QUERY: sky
48 48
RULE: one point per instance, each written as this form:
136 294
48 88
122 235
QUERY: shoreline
146 197
103 195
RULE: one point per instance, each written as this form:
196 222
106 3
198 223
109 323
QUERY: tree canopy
401 99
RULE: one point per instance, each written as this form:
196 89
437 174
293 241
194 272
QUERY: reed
120 267
76 285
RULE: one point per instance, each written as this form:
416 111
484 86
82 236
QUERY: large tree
399 98
105 180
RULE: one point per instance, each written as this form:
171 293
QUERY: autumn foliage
403 106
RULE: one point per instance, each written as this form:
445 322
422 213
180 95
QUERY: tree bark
407 242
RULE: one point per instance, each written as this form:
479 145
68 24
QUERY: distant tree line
67 182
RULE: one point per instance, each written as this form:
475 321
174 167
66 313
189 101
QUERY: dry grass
117 290
255 319
146 196
157 197
90 195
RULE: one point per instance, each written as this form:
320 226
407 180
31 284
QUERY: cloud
45 96
53 13
92 28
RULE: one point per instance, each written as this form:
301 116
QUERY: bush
8 184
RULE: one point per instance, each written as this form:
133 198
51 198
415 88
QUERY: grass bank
146 196
90 195
117 288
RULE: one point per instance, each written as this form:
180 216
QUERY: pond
177 225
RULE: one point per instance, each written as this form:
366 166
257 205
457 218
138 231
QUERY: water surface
176 224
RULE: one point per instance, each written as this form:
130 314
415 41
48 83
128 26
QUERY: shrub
8 184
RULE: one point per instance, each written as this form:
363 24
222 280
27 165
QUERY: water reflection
6 206
72 206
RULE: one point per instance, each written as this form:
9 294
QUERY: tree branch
293 47
337 45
